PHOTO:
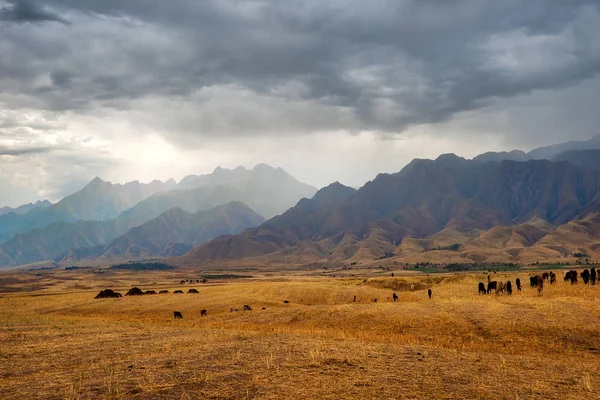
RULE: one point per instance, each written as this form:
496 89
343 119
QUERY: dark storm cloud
27 11
376 65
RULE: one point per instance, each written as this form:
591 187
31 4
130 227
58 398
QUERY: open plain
58 342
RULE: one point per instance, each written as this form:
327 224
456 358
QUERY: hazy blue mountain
25 208
59 237
97 201
541 153
267 190
172 233
589 159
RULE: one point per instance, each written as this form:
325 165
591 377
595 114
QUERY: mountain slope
172 233
97 201
587 159
425 198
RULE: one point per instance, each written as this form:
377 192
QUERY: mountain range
97 201
173 233
497 207
42 236
553 152
25 208
517 209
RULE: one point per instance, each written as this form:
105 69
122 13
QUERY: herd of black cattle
498 287
537 281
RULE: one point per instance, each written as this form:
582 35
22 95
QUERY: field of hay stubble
57 341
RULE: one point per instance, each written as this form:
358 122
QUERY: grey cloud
377 66
18 151
27 11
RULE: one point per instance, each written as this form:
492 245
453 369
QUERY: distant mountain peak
263 167
332 194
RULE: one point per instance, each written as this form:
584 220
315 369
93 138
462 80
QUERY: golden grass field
58 342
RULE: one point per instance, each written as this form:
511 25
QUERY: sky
328 90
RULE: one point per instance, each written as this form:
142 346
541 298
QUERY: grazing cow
535 280
593 276
287 301
585 275
573 277
482 288
552 278
395 297
203 313
545 276
509 288
264 308
177 315
374 300
163 292
178 291
518 283
247 307
429 293
150 292
492 286
500 288
194 291
233 309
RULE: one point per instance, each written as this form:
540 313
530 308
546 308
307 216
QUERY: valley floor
57 341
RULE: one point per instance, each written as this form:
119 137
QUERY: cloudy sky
328 90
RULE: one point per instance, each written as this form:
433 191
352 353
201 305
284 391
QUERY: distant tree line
154 266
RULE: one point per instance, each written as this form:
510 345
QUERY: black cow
193 291
203 313
493 285
482 288
247 307
429 293
509 288
177 315
518 283
593 276
552 278
178 291
163 292
545 276
395 297
571 276
537 281
585 275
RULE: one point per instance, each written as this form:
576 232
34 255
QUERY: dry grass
58 342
